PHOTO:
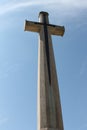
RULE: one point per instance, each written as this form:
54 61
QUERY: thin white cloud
63 5
14 6
75 3
83 69
83 127
3 120
7 69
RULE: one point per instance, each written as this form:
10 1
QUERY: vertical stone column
49 107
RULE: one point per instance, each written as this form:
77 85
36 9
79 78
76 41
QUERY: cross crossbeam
36 27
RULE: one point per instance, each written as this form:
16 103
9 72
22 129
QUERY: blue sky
18 62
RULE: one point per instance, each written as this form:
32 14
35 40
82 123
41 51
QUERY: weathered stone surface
49 107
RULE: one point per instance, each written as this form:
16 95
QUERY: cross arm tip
25 25
63 31
32 26
56 30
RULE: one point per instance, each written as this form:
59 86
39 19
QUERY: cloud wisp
3 120
6 8
7 69
83 127
83 69
61 5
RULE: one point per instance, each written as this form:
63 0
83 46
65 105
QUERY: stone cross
49 106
